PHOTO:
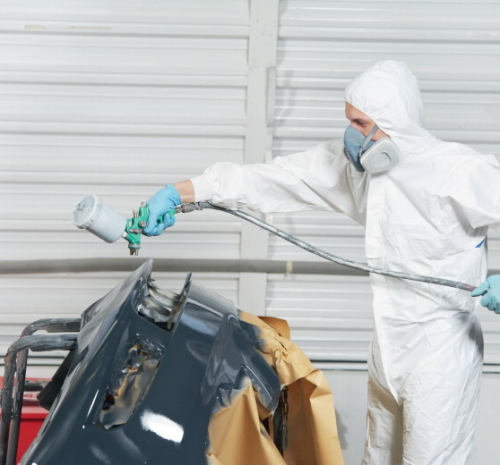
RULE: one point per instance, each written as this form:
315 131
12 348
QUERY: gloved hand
490 290
164 201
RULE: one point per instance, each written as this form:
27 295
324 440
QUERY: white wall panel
330 317
454 49
115 98
119 97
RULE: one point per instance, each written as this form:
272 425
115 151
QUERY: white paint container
94 216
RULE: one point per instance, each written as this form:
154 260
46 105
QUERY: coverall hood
389 94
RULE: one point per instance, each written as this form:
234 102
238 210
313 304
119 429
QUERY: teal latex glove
161 207
490 290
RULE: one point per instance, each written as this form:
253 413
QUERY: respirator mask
368 155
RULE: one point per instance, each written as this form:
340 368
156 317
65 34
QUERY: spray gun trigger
134 227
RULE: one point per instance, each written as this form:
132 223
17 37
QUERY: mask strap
368 138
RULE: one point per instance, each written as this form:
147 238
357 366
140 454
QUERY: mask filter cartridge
368 155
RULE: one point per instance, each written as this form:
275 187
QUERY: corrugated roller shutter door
114 98
454 49
119 97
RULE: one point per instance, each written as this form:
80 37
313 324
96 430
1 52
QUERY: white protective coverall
428 215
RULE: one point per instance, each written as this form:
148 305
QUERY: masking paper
238 433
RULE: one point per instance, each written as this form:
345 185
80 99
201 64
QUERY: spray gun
107 224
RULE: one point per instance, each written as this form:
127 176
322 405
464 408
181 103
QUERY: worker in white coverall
426 206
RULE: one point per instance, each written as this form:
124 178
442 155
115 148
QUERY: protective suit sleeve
320 178
474 189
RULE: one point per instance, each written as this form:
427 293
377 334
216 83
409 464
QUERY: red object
32 417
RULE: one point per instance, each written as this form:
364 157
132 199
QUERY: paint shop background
117 98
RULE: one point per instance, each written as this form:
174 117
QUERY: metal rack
16 361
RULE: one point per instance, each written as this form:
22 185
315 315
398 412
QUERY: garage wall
115 98
118 98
